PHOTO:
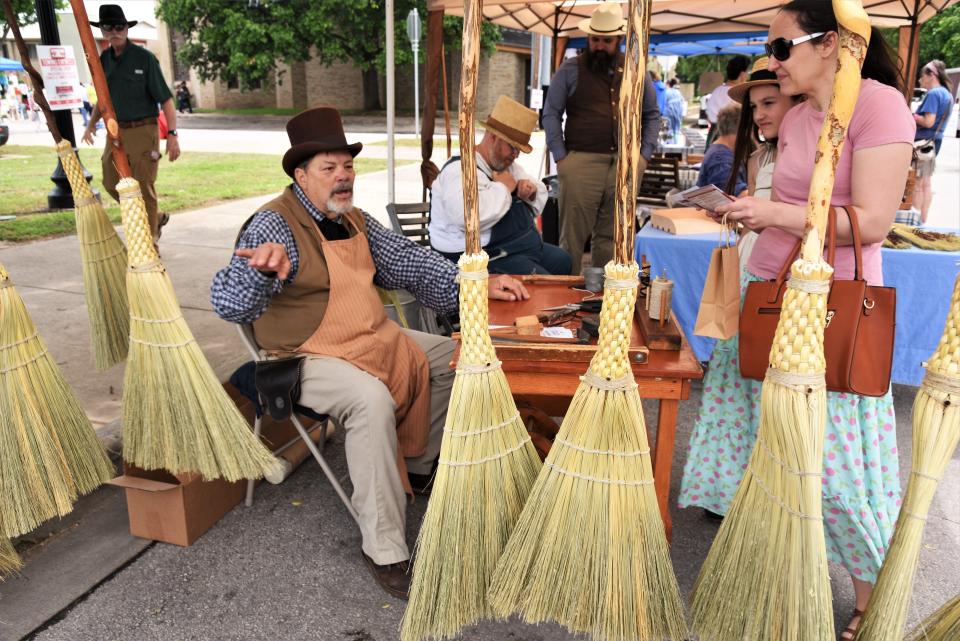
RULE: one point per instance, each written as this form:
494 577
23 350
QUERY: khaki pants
587 196
363 406
142 145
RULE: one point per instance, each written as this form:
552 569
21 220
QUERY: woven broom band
130 194
156 321
620 385
487 459
620 283
929 477
24 364
807 383
483 275
105 258
594 479
472 368
603 452
6 283
84 202
809 286
937 382
99 241
783 464
917 517
20 342
151 266
776 499
162 345
492 428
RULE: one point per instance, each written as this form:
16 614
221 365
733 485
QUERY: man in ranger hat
587 88
508 200
136 87
303 274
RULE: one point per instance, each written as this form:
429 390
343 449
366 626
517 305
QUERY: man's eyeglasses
113 27
780 48
604 39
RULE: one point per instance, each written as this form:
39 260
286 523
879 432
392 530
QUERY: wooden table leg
663 458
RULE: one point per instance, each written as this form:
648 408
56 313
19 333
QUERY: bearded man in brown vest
587 88
304 274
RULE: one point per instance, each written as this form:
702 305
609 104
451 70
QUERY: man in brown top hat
303 274
509 200
587 89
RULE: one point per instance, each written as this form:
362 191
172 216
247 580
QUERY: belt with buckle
138 123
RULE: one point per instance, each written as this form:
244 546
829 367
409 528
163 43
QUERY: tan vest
297 311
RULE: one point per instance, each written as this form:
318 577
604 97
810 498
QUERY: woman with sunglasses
931 118
861 489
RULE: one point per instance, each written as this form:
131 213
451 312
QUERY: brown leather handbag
858 339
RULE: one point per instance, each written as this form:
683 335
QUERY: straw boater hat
607 20
512 122
314 131
759 75
112 14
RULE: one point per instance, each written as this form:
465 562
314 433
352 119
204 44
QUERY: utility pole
413 33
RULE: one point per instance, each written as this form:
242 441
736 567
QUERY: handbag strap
830 244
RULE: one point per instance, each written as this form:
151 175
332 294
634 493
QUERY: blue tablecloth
924 282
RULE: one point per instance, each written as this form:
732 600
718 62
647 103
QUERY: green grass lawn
195 180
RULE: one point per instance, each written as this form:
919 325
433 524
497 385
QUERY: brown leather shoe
394 578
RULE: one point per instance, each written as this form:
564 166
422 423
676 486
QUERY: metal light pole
60 197
391 103
413 33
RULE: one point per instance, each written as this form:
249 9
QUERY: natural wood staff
472 17
104 103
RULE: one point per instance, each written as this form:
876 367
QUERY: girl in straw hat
861 486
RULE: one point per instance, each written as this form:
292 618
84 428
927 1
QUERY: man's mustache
342 187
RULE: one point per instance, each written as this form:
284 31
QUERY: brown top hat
314 131
759 75
112 14
512 122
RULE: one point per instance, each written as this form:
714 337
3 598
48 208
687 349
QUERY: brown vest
296 312
592 110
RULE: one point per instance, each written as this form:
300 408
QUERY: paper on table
556 332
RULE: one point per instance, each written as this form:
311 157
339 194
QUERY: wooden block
528 325
667 337
684 221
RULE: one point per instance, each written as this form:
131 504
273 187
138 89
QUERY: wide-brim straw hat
314 131
112 14
759 75
607 20
512 122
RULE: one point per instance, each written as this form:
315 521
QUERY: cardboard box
179 508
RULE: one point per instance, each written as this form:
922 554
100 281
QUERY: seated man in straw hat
303 274
508 200
587 89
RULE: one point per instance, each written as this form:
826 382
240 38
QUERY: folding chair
411 220
247 388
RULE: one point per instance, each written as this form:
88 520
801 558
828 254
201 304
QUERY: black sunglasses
780 48
113 27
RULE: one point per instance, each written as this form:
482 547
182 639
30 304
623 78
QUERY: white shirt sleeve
540 200
446 212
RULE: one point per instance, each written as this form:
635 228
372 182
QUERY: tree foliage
246 38
26 12
689 69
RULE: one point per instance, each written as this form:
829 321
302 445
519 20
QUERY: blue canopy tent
749 43
6 64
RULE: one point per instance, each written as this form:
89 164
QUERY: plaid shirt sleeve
403 264
240 293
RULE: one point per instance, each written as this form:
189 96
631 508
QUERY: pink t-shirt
881 117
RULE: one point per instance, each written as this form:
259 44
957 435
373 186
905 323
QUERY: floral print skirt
861 471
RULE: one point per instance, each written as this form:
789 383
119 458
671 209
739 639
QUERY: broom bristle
176 414
49 453
765 577
9 559
104 258
487 467
936 434
589 550
942 625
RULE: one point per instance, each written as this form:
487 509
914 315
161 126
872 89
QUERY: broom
9 560
103 254
176 414
942 625
589 550
936 433
765 577
49 453
487 463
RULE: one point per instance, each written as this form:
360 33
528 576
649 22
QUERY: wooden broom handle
472 17
35 78
104 103
630 107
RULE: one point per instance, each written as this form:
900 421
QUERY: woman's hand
753 213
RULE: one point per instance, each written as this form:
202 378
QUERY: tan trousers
363 406
587 196
142 145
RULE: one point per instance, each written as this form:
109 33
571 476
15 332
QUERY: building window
233 82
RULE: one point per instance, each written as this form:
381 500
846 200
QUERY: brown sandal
850 632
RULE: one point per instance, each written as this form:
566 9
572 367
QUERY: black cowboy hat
314 131
112 14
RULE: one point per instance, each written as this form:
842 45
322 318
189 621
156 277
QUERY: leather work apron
355 328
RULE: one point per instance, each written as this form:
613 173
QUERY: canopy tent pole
391 105
908 58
